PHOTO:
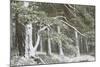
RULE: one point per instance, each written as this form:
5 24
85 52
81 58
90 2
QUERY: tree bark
28 40
60 43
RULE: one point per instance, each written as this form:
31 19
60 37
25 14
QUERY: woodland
50 33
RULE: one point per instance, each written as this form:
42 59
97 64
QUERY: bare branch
70 11
43 28
66 23
73 8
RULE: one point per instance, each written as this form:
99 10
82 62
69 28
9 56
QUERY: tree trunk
60 44
29 49
86 45
19 37
77 44
41 45
28 40
37 43
49 44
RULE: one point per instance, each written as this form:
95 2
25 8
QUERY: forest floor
44 59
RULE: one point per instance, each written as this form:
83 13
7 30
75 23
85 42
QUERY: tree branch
43 28
69 24
70 11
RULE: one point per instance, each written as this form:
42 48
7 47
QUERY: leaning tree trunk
37 44
60 44
29 49
77 44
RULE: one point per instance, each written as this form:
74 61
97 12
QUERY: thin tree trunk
41 45
49 44
60 44
86 45
77 44
16 34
